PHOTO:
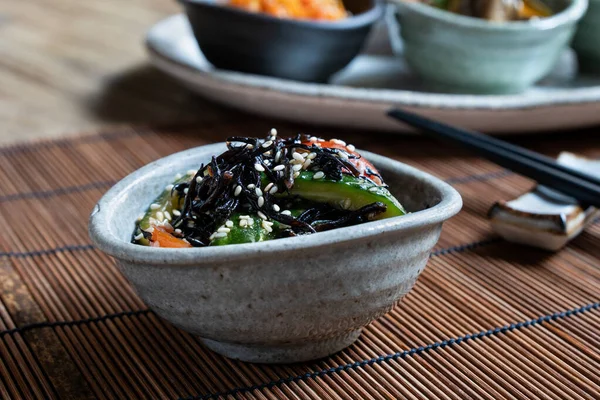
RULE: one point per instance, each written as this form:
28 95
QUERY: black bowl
309 51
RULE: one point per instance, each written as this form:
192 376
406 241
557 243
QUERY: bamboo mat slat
487 319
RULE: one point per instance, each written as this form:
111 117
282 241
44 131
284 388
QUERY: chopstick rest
544 218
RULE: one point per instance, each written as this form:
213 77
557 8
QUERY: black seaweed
210 196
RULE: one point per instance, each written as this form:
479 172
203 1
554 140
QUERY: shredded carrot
299 9
165 239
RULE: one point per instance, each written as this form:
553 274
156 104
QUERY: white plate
359 95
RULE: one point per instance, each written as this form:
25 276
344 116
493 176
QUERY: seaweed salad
264 189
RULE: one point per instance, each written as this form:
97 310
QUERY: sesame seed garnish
167 225
167 216
286 212
154 206
250 146
149 229
296 174
220 235
312 139
261 201
347 204
186 190
237 190
243 223
244 217
223 229
250 222
267 226
258 192
229 223
176 213
199 179
191 172
311 156
297 167
274 189
269 186
373 189
277 156
262 215
297 156
267 143
139 237
177 230
319 175
351 147
178 177
251 186
168 188
273 132
338 141
306 163
138 219
279 168
259 168
276 208
160 216
343 155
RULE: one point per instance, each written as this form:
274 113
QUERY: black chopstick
583 187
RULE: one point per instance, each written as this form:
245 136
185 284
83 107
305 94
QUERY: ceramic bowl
285 300
587 39
302 50
456 53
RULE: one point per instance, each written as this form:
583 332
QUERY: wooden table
79 65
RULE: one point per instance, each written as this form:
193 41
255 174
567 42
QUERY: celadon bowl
284 300
456 53
587 39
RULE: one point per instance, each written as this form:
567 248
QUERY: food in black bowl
304 45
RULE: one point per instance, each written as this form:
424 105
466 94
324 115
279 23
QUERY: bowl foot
284 353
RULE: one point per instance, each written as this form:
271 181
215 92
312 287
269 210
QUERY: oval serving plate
359 95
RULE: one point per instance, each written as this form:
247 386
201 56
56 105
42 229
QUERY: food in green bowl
264 189
495 10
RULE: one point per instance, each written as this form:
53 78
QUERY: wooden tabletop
78 65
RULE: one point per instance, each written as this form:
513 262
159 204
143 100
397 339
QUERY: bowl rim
354 21
107 241
572 13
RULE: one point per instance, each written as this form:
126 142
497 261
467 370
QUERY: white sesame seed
191 172
318 175
261 201
297 156
312 139
311 155
276 208
199 179
229 223
178 177
351 147
250 222
262 215
347 204
279 168
237 190
160 216
167 216
318 144
373 189
154 206
296 174
139 237
267 143
251 186
343 155
306 163
220 235
266 226
243 223
244 217
168 188
277 156
338 141
297 167
250 146
286 212
167 225
186 190
269 186
177 230
138 219
223 230
259 167
176 213
274 189
149 229
258 192
273 132
212 236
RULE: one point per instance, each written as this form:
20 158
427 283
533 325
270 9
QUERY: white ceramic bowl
283 300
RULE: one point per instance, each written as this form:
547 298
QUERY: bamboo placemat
487 319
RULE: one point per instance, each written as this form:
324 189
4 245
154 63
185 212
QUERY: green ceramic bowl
587 39
455 53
